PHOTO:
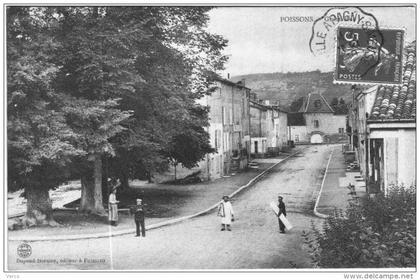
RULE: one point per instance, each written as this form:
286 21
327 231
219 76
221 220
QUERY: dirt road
253 243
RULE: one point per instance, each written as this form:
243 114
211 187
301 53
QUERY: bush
377 232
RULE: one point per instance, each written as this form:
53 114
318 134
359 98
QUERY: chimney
228 76
243 82
267 102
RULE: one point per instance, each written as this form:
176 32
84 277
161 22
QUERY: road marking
320 190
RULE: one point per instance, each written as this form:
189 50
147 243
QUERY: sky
260 42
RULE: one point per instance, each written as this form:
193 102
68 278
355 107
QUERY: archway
316 139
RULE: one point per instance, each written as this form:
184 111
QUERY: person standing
139 217
113 206
225 211
282 210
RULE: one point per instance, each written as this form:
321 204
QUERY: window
223 115
341 130
316 123
217 139
317 104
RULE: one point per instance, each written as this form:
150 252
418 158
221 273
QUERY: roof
315 103
295 119
398 103
229 82
256 104
259 104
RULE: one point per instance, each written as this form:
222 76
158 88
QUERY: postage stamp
369 56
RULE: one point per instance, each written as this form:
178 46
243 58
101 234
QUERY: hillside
286 87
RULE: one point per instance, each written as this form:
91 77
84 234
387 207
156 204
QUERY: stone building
268 127
229 129
317 122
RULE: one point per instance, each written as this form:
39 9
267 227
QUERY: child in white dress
225 211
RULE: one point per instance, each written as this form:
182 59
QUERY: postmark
368 56
323 36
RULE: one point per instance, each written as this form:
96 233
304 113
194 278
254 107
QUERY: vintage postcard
162 137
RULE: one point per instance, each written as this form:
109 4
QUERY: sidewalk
335 193
163 203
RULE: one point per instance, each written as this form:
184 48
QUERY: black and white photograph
210 137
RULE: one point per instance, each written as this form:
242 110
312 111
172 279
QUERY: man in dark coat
282 210
138 211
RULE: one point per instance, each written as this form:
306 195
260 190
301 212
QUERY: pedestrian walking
282 210
225 211
113 206
138 211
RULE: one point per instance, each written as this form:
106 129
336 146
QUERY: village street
253 243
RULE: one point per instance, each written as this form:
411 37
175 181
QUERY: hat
280 197
225 196
139 199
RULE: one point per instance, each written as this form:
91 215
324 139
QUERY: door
376 175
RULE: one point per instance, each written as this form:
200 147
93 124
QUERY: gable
315 103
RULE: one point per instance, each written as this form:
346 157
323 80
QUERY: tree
334 102
296 104
50 124
119 85
339 106
39 140
176 59
95 122
95 70
191 144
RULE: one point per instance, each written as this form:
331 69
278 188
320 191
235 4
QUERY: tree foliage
380 232
114 83
296 104
38 133
339 106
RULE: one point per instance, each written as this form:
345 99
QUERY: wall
364 104
282 129
298 134
328 122
399 154
258 117
229 129
261 145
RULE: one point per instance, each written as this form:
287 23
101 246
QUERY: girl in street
225 211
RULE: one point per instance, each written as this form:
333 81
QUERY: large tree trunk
38 208
91 201
124 180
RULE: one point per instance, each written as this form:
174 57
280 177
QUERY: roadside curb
320 190
153 226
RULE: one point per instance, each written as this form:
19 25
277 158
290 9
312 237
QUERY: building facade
229 129
268 124
317 123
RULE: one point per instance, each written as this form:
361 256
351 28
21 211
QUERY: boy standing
139 217
282 210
